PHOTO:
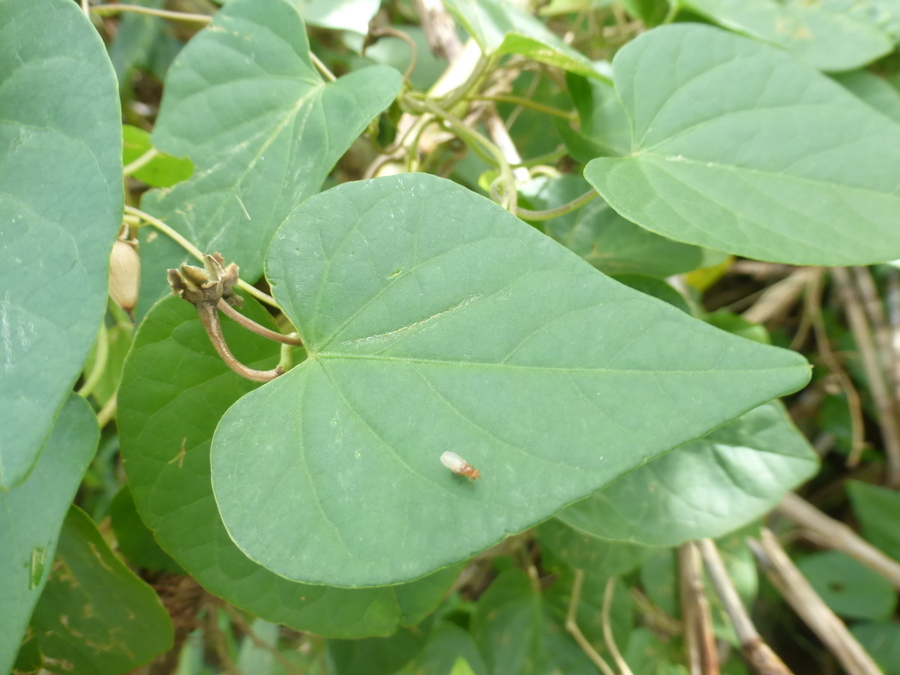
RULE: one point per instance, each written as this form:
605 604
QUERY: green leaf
875 91
500 27
60 210
603 121
705 488
174 390
449 649
95 615
588 552
135 541
376 656
161 171
31 516
118 342
882 641
604 238
848 587
519 634
436 321
878 509
352 15
739 147
244 102
827 34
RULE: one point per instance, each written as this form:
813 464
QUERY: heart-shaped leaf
740 147
828 34
31 515
60 209
500 27
244 102
435 321
707 487
174 390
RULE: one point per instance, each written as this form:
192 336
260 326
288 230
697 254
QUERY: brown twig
780 296
829 533
209 317
575 631
758 654
814 310
884 402
387 31
700 642
797 591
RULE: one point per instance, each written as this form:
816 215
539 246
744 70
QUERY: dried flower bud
124 274
208 285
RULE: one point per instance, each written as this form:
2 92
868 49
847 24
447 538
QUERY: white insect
459 466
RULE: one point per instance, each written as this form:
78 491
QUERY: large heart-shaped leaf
95 615
174 390
740 147
827 34
60 209
704 489
500 27
31 515
436 321
244 102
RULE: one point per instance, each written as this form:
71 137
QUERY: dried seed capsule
124 274
459 466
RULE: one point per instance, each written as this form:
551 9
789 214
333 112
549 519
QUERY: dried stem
814 311
829 533
238 620
250 324
796 590
884 402
387 31
698 633
758 654
608 593
780 296
209 317
105 10
572 626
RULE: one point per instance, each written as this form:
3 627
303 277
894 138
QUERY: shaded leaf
174 390
135 541
436 321
244 102
447 647
60 211
882 641
873 90
95 615
739 147
878 509
848 587
603 557
827 34
704 488
31 515
604 238
500 27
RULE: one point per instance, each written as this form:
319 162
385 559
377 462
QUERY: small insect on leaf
459 466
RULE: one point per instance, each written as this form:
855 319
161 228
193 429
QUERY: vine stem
106 10
101 356
549 214
608 593
327 74
140 162
526 102
194 251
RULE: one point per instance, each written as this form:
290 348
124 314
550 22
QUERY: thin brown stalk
884 402
823 345
758 654
798 593
575 631
780 296
700 642
250 324
608 637
209 317
830 533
